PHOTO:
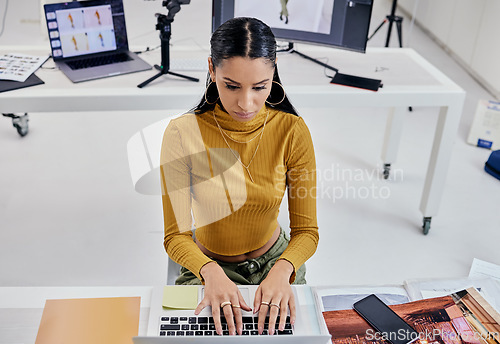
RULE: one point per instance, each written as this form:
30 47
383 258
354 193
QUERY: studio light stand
164 26
392 18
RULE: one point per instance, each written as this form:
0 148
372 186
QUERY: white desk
21 308
409 80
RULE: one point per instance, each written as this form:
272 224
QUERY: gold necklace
231 150
229 136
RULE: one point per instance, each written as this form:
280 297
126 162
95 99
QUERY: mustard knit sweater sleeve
204 176
175 169
301 183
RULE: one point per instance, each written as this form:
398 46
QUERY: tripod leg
389 31
149 80
184 76
400 31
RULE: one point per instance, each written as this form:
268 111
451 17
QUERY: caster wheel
387 171
22 131
21 124
426 225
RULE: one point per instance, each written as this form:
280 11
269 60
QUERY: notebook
307 327
8 85
89 39
111 320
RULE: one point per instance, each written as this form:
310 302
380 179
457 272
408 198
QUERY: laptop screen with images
86 27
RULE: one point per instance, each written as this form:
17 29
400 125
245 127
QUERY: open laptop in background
89 39
308 328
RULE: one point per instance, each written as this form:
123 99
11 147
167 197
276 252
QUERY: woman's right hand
220 290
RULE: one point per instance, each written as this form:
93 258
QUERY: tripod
392 18
165 28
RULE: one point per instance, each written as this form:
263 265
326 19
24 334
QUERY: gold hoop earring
206 90
284 95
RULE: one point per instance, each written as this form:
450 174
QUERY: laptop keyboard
204 326
98 61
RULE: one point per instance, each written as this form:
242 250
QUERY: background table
408 79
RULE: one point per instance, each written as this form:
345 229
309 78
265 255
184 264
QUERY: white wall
468 29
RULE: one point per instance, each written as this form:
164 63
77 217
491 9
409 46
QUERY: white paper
425 289
482 269
485 129
18 67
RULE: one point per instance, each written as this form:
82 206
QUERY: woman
229 163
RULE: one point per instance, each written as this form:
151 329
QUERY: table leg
444 138
393 130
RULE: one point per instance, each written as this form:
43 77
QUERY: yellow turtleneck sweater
233 215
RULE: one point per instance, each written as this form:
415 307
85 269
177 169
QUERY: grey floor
69 215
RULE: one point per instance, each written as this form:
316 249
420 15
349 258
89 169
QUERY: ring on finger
264 303
275 305
236 306
224 304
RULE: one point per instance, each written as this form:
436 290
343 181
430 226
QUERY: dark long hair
244 37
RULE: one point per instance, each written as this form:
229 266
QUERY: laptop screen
85 27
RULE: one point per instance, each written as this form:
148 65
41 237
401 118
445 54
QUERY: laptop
89 39
165 324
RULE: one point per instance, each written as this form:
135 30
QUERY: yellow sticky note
180 296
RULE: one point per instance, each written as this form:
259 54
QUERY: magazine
343 297
460 318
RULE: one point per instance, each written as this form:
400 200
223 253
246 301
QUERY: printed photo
289 14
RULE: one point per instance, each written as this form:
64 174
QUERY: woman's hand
221 291
275 295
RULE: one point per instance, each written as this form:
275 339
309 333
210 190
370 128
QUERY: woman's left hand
275 295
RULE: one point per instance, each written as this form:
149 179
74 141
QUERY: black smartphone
356 81
390 326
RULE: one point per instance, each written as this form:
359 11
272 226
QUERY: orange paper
94 320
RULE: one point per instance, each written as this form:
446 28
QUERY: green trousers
252 271
284 9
